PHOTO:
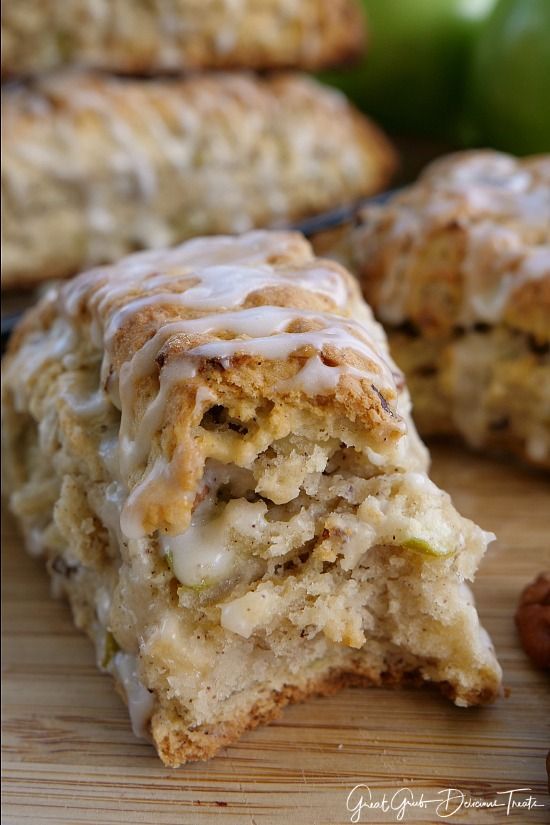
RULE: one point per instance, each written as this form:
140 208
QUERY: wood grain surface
69 755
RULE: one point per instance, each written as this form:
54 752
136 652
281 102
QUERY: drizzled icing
223 286
504 207
266 336
211 279
158 268
140 701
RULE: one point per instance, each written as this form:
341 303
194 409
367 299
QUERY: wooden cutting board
69 755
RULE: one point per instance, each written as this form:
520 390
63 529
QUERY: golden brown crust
366 396
176 744
468 243
528 309
137 38
228 488
118 165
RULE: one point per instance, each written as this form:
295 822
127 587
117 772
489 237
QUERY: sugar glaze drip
196 279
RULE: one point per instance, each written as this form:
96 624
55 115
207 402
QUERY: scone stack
113 142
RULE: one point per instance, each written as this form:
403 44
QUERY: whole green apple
411 77
509 94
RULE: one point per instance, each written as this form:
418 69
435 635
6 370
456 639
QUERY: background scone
96 167
457 267
126 36
212 449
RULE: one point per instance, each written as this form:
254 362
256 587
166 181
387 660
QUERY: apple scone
131 37
212 449
457 267
97 167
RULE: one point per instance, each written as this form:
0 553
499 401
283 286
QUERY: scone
131 37
212 449
97 167
457 267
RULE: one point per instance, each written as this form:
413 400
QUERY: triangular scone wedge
213 450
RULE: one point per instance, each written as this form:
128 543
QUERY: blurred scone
133 37
95 167
212 449
457 267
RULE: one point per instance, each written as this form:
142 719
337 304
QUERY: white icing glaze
204 554
485 298
185 260
200 556
108 452
156 482
88 406
225 287
203 400
34 541
140 700
315 378
109 508
36 353
504 209
279 344
134 443
213 276
103 606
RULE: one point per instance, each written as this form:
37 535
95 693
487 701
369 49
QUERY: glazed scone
457 267
131 37
96 167
212 448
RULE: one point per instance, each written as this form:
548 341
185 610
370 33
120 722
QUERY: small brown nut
533 620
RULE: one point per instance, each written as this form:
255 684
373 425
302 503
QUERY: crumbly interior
490 384
321 564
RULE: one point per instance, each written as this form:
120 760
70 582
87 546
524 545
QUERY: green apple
425 548
509 80
411 77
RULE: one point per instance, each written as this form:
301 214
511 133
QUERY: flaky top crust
95 167
91 101
144 38
468 244
247 323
